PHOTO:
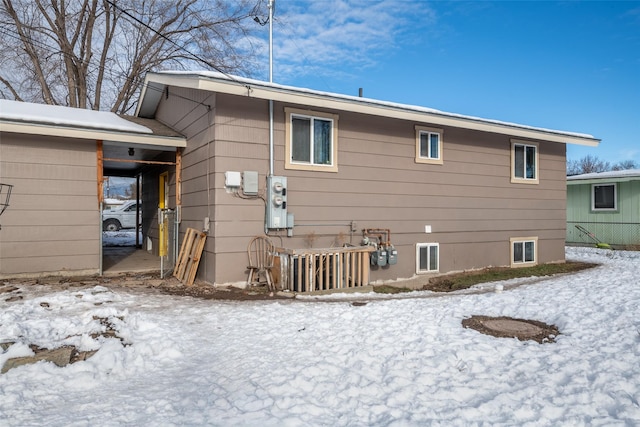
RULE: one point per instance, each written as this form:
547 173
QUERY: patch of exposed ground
230 293
61 356
464 280
509 327
149 282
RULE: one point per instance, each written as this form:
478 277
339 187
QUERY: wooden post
178 177
100 167
300 282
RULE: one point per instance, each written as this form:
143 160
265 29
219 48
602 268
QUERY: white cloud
630 154
327 36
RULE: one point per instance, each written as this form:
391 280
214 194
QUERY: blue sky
568 65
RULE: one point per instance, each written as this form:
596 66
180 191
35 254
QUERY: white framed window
524 162
427 257
311 140
604 197
524 251
429 145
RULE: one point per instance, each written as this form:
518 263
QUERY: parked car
123 216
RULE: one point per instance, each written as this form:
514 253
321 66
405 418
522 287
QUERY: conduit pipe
271 2
378 232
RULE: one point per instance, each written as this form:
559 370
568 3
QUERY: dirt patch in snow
509 327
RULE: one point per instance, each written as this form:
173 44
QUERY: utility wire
136 81
196 57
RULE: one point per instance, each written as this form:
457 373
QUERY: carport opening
131 242
122 228
121 212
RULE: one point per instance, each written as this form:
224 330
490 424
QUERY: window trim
615 197
288 163
426 245
429 130
513 240
518 180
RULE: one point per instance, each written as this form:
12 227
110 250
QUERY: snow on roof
66 116
362 100
628 173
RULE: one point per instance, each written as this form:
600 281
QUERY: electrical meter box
276 202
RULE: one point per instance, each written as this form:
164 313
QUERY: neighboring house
55 157
607 205
442 192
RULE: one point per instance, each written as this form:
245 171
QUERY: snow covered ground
391 362
125 237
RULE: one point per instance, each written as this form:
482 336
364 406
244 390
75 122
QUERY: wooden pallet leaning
189 257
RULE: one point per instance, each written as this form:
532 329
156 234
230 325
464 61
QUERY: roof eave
266 91
602 180
91 134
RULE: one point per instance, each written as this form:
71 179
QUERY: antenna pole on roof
271 6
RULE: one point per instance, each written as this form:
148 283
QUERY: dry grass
386 289
454 282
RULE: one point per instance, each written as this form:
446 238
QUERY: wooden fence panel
311 270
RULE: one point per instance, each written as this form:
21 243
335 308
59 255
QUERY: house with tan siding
427 192
55 158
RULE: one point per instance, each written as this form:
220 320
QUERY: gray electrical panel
276 202
250 183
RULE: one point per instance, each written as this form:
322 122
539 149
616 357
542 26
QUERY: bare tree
587 164
94 53
591 164
624 165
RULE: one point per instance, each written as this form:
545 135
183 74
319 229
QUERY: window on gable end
429 145
524 162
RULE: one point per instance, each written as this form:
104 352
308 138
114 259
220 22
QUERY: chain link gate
168 241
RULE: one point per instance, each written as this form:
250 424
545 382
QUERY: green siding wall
620 227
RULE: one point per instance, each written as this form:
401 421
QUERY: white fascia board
153 87
92 134
609 180
416 116
149 99
267 91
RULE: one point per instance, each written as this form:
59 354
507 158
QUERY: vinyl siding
469 201
53 221
620 227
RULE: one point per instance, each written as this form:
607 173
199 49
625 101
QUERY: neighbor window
428 145
604 197
524 251
427 257
524 162
311 140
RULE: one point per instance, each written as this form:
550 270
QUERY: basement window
427 257
524 251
